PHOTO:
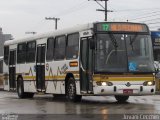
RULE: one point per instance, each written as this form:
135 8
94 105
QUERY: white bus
103 58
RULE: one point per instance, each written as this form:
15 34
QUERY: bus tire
20 88
71 91
121 98
58 96
29 95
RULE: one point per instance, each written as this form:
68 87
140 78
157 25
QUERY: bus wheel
57 96
20 88
71 91
29 95
121 98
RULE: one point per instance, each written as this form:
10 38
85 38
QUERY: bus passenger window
6 54
31 50
60 46
21 53
72 46
50 49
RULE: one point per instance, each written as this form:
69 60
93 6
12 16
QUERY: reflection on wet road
90 107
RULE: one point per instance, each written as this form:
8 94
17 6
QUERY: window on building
31 51
60 46
6 54
21 53
50 49
72 46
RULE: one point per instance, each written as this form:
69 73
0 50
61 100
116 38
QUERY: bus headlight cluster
149 83
104 83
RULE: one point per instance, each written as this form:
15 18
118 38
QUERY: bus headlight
110 83
149 83
104 83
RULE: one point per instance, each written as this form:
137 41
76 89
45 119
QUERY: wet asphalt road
45 107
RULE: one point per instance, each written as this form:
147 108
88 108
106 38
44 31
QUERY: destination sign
121 27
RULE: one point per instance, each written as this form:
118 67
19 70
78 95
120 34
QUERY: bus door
40 67
86 83
12 70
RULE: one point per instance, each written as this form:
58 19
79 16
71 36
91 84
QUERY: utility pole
55 19
105 10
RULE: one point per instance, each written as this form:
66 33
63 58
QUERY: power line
144 15
72 9
153 23
155 27
100 4
138 16
65 12
135 10
150 20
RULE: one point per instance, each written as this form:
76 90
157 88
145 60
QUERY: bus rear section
155 35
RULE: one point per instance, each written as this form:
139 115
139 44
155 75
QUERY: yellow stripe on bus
29 78
123 79
48 77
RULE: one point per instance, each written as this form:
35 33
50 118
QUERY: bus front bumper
124 90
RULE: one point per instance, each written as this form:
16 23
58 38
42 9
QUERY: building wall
3 38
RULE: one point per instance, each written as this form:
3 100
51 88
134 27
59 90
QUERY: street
100 107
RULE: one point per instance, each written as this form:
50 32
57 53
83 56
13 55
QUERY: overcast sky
20 16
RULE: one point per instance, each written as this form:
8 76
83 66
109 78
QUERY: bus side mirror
158 75
156 66
92 44
157 71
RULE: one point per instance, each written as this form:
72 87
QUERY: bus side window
21 53
60 47
31 51
6 54
50 49
72 46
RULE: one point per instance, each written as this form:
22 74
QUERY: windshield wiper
114 41
132 40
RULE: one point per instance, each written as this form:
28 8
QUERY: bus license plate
127 91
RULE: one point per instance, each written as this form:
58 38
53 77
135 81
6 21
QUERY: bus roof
77 28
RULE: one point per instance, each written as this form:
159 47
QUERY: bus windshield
123 53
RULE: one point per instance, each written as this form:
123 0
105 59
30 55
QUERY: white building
3 38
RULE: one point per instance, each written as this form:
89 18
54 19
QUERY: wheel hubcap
19 90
